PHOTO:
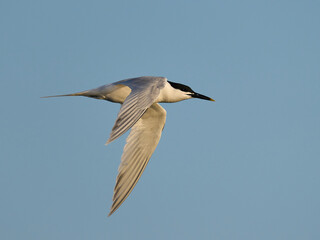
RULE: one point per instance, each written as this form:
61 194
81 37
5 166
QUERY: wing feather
141 143
144 91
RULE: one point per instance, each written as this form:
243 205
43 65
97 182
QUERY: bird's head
187 92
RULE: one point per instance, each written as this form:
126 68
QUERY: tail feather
84 93
98 93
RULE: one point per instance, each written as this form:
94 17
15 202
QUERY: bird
140 110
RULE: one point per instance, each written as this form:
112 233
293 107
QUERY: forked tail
84 93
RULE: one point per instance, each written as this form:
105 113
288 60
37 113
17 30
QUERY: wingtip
112 210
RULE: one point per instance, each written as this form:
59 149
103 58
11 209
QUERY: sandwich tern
140 111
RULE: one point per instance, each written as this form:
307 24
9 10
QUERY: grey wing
144 91
141 143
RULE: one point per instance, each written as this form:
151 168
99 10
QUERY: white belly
114 93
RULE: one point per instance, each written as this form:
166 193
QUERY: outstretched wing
141 143
144 91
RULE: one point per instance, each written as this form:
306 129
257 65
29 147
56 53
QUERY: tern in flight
140 111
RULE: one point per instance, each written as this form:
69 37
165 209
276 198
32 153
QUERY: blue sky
244 167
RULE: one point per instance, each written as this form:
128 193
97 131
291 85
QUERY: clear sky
244 167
